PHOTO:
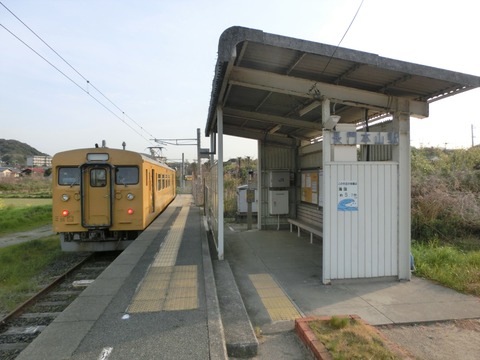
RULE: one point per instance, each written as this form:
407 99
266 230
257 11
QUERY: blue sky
155 60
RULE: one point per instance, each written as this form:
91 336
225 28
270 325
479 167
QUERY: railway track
25 323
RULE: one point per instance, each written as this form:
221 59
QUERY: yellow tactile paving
167 256
180 292
277 303
180 304
270 292
151 294
167 287
140 306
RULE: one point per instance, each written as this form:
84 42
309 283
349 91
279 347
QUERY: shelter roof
272 86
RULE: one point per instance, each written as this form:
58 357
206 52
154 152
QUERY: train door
96 199
154 184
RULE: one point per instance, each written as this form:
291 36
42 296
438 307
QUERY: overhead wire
88 82
343 37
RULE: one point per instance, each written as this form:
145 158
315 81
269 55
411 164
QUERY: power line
345 34
73 68
73 81
34 33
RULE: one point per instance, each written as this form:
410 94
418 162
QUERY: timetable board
311 185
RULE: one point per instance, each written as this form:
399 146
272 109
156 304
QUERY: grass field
24 202
15 217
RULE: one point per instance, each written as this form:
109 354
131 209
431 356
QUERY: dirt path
19 237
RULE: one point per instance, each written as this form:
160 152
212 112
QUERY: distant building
43 161
5 172
34 171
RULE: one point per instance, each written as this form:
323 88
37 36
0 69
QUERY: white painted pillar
259 185
210 196
401 154
326 158
220 189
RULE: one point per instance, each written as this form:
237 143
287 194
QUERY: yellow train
104 198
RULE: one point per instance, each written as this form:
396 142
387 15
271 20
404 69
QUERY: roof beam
347 73
272 119
257 135
289 85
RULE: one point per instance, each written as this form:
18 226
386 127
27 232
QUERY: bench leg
311 238
298 231
291 228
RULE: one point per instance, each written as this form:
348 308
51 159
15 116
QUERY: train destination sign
364 138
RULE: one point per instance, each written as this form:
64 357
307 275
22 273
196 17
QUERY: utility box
279 179
278 202
242 203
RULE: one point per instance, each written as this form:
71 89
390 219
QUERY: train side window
69 176
98 177
126 175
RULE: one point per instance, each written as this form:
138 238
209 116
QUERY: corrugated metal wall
363 243
310 156
275 158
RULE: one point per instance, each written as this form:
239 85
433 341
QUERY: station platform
153 302
165 298
295 266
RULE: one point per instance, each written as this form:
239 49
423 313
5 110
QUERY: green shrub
445 193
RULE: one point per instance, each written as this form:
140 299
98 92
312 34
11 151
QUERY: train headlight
65 213
65 197
130 196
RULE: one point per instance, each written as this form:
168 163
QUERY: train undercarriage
97 240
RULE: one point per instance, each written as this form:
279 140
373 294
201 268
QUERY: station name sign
364 138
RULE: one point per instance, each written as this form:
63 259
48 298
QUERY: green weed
350 339
448 265
339 323
13 219
20 264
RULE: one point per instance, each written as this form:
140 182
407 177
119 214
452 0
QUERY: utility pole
473 138
201 153
183 172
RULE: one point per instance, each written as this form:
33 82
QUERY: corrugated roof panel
308 60
266 58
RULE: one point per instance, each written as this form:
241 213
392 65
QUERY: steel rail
19 309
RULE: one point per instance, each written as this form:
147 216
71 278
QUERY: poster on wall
310 187
347 196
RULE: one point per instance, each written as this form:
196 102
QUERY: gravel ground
459 339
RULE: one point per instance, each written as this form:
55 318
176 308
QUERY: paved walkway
296 266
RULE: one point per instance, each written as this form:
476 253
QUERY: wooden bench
309 218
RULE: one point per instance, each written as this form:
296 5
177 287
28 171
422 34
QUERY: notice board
311 185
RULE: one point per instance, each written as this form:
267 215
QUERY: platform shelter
333 132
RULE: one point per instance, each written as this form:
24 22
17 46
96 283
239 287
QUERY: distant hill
13 152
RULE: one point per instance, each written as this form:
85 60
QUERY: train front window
98 177
69 176
126 175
